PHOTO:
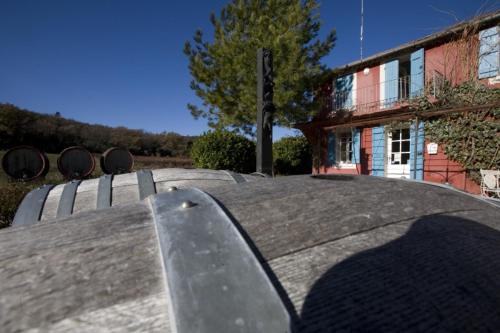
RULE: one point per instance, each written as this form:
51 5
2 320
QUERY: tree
224 71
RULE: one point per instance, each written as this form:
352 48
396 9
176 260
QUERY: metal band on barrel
30 209
214 280
146 183
260 174
67 199
104 191
236 177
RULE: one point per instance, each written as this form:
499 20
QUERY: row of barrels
27 163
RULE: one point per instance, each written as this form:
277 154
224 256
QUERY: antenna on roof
361 34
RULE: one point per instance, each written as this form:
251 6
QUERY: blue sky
120 63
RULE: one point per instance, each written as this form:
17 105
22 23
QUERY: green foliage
52 133
10 198
470 138
292 156
221 149
224 71
446 95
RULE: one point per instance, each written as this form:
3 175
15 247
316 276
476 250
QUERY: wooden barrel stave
114 266
302 228
125 187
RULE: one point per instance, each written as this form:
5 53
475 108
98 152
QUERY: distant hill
53 133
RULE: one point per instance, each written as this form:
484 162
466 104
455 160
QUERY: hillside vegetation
53 133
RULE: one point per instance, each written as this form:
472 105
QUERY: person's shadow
443 275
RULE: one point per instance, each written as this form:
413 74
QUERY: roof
480 22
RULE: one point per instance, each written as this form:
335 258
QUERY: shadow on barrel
442 275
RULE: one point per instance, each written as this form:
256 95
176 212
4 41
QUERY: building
352 134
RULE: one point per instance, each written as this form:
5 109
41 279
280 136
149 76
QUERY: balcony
385 95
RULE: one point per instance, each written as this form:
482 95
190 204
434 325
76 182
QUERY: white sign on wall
432 148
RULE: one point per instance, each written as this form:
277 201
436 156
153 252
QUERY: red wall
445 60
368 93
438 169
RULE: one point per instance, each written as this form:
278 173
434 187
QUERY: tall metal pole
361 32
265 111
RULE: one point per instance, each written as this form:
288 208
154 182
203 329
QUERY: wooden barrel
292 254
79 196
75 163
25 163
116 161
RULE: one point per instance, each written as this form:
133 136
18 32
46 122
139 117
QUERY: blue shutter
378 143
391 82
417 73
419 173
356 142
331 148
488 53
344 87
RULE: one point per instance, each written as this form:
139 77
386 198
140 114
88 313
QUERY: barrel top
343 252
25 163
75 162
117 160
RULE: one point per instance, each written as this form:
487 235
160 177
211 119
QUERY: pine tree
224 70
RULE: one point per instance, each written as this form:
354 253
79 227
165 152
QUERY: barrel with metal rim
110 190
293 254
76 163
25 163
116 161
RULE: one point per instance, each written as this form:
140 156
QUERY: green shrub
292 156
11 196
222 149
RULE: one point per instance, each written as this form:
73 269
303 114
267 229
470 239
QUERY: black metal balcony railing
370 98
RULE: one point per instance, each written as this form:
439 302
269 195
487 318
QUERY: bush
222 149
11 196
292 156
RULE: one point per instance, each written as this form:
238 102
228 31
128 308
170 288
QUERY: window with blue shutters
344 87
488 53
344 147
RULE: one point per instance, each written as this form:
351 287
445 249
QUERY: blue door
391 83
418 172
378 143
417 73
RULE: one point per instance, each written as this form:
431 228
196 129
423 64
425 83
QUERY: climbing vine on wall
471 138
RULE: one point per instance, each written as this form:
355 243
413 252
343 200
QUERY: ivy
471 138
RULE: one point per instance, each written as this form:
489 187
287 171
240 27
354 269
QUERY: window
344 146
400 146
488 53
